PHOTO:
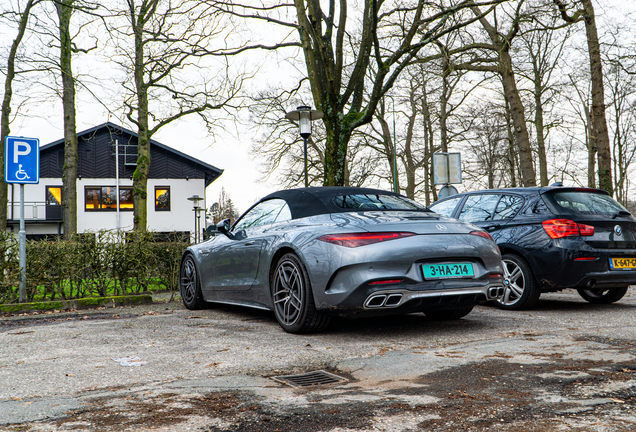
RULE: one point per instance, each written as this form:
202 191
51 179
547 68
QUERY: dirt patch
130 413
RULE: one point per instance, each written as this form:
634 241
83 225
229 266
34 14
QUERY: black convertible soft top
305 202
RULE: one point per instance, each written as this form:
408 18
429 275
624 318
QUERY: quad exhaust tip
495 293
383 300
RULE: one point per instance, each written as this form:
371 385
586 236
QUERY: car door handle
250 243
492 227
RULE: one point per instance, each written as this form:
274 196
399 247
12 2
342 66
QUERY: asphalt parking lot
565 365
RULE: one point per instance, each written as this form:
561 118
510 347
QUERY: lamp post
195 208
304 115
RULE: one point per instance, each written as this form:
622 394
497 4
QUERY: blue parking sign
22 160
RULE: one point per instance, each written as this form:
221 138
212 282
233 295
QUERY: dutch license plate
443 271
623 263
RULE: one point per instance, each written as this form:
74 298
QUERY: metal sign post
22 165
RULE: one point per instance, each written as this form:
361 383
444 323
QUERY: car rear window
586 203
376 202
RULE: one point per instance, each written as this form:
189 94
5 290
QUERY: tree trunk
337 142
538 123
140 176
389 150
5 119
518 116
592 148
511 148
409 163
501 45
69 175
427 130
443 108
598 100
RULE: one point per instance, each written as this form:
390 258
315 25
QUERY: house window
53 208
125 198
54 195
104 198
162 198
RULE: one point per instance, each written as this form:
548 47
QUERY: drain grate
310 379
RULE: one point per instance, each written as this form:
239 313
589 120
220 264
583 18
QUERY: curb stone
77 304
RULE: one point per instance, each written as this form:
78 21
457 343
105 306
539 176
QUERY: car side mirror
223 226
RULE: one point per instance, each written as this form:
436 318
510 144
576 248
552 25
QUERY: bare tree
622 109
280 150
540 54
64 10
21 18
488 145
599 120
166 67
350 69
494 57
583 108
67 46
224 208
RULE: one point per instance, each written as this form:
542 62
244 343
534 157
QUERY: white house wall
180 217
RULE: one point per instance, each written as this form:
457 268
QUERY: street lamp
304 115
195 204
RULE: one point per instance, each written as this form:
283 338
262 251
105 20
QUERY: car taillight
483 234
559 228
363 239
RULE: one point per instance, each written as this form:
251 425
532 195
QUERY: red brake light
586 230
386 282
559 228
363 239
483 234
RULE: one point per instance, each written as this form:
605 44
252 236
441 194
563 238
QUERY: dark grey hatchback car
552 238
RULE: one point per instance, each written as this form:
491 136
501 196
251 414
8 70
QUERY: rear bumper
557 268
417 297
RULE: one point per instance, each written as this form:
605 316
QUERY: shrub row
89 265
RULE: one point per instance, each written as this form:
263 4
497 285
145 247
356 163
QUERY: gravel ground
565 365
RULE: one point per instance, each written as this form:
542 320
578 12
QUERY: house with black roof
107 156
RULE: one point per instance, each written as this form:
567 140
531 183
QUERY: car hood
415 222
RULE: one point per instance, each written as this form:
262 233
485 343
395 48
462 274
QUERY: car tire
190 284
293 298
446 315
521 291
603 296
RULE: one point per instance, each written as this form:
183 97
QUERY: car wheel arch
278 255
187 253
506 248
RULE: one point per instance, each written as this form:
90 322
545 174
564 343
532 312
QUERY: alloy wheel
288 292
188 281
514 281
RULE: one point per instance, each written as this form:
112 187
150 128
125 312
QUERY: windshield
586 203
376 202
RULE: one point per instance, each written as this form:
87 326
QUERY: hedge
99 264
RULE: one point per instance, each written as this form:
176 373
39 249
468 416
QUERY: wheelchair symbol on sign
21 174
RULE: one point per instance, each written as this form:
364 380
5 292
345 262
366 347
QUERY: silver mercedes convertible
308 254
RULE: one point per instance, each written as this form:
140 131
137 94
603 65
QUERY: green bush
91 265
